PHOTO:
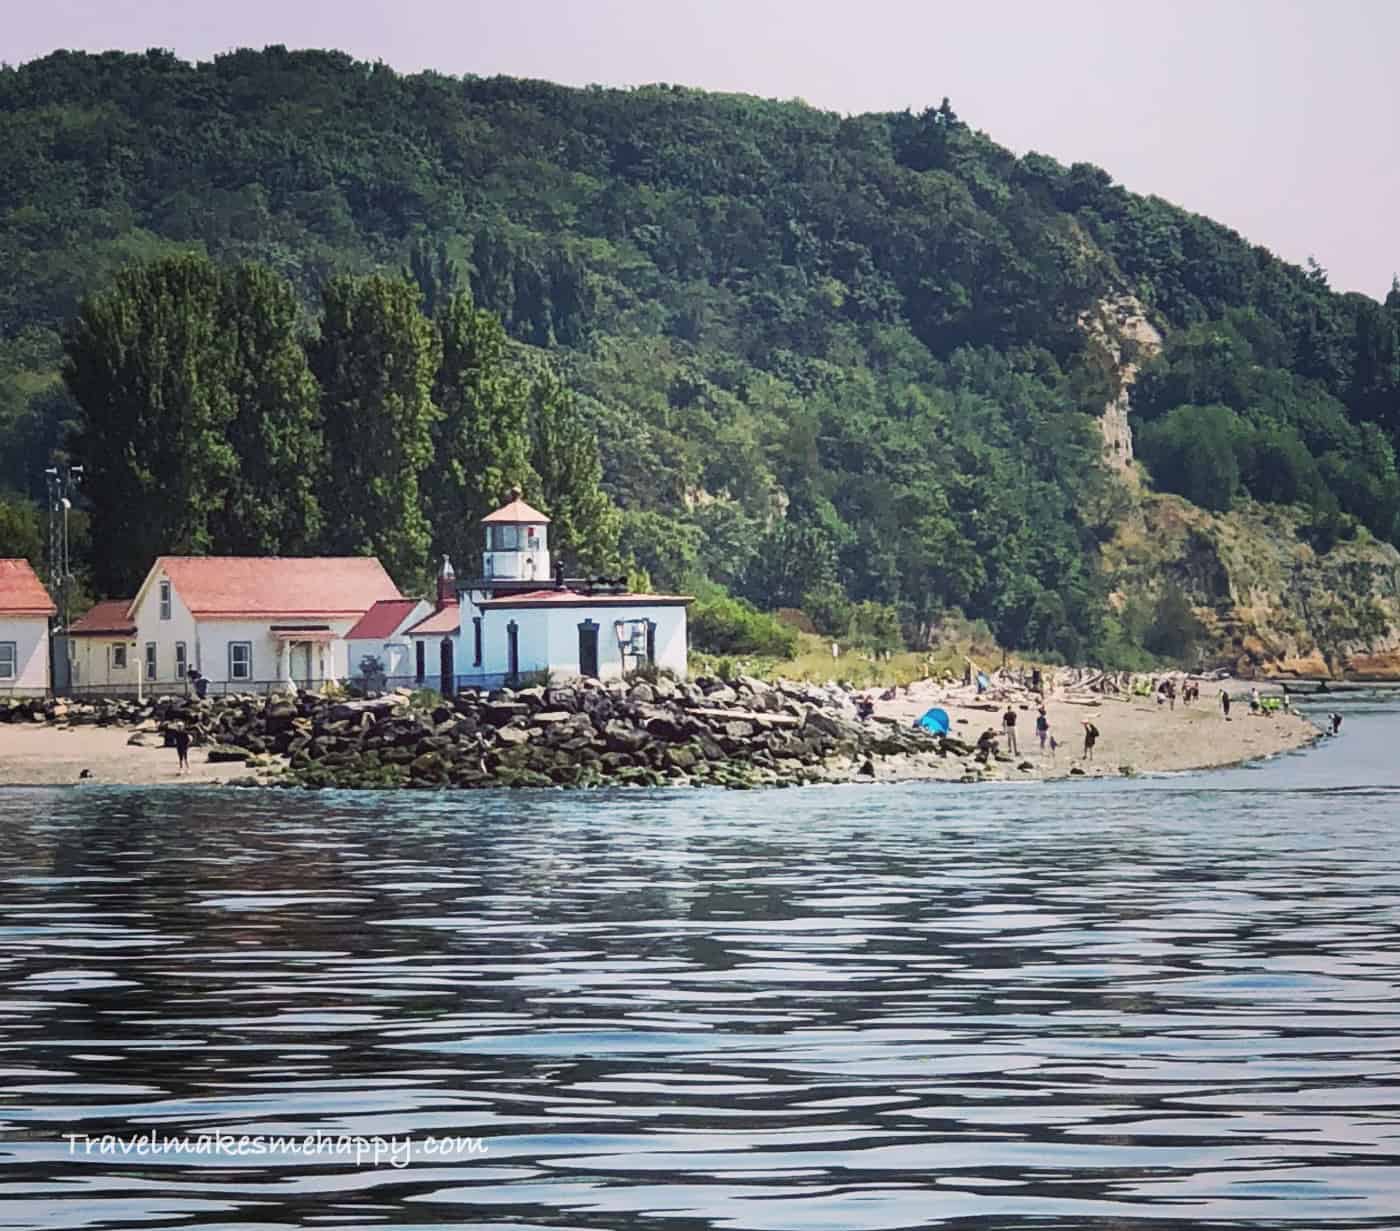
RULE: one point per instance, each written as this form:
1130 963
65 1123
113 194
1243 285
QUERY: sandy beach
43 755
1136 733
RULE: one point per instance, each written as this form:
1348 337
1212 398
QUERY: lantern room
517 545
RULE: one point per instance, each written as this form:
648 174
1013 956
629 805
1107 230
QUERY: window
7 660
512 649
240 660
150 660
476 641
119 656
504 538
420 662
182 666
651 642
165 600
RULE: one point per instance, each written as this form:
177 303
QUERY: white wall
396 653
548 638
214 637
92 660
165 633
30 635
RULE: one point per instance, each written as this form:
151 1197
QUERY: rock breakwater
582 734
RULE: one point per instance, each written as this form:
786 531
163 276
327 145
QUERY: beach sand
43 755
1137 733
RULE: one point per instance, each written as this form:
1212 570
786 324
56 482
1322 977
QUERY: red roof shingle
572 598
382 620
110 616
444 620
517 511
21 591
256 587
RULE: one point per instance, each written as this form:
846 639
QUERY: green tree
1193 451
270 506
148 362
584 522
481 441
374 361
21 536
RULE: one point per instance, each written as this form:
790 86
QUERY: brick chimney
446 585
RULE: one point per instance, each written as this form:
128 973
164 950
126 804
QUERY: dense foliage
210 422
832 362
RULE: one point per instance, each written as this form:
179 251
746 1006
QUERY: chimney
446 585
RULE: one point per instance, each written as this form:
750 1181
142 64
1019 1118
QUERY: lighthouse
517 543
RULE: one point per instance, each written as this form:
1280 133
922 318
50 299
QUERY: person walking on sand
1008 726
1091 737
1042 728
1225 703
182 748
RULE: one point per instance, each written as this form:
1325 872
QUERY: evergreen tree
481 443
271 506
374 361
584 522
148 362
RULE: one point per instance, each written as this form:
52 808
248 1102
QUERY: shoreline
1138 736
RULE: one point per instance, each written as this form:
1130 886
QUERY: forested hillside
836 363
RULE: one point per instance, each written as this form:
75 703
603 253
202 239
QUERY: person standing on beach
182 748
1008 726
1042 728
1091 737
1225 703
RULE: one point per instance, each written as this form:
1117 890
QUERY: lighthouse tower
517 544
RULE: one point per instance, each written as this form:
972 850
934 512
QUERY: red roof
516 511
382 620
571 598
256 587
109 616
446 620
21 592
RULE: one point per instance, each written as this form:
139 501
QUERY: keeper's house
521 618
25 611
240 621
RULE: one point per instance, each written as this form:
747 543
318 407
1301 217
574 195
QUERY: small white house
252 622
519 619
25 611
102 648
382 634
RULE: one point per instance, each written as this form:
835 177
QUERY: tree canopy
854 340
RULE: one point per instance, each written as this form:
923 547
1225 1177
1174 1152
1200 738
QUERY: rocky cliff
1268 599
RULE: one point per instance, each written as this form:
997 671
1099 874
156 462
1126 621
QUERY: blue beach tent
933 720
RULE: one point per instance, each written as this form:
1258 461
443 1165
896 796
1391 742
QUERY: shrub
1175 631
720 624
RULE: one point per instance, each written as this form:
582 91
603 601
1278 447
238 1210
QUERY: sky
1280 118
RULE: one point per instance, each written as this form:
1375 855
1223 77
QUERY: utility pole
62 482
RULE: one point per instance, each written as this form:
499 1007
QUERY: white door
301 662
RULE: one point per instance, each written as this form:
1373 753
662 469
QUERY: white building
240 621
382 634
102 648
25 610
514 622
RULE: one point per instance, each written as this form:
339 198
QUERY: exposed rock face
1124 339
1269 601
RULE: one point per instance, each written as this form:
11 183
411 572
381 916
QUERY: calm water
1170 1003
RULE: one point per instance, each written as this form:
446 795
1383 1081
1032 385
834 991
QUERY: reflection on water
1122 1004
